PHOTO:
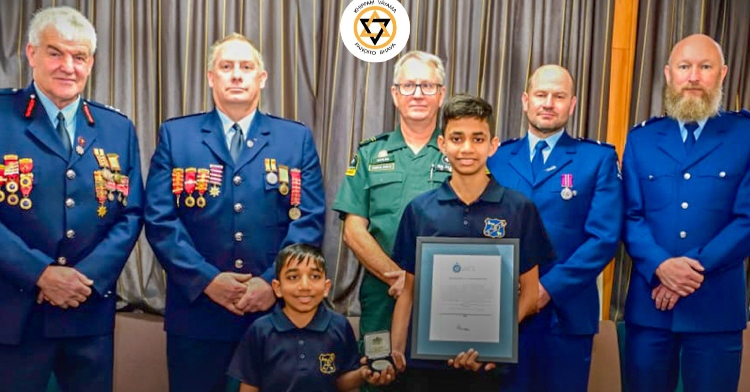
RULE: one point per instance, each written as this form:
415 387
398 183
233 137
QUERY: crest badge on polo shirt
494 227
327 363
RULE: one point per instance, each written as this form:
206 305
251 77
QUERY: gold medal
294 213
2 196
189 201
11 187
12 199
214 191
201 202
283 189
101 211
124 201
25 203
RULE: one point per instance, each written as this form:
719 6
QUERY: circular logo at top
375 30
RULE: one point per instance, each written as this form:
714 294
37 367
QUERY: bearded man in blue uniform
70 212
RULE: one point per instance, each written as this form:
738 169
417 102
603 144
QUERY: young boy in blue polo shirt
301 345
461 208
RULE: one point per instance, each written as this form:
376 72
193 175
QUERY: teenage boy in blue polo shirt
301 345
459 208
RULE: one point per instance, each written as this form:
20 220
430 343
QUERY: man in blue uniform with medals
70 213
576 186
687 229
227 190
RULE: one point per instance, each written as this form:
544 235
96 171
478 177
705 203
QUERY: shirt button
683 234
62 260
70 233
238 207
71 174
686 176
70 203
237 180
466 223
301 342
239 263
238 236
302 356
722 174
684 205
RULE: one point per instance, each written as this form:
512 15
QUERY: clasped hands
65 287
240 293
679 277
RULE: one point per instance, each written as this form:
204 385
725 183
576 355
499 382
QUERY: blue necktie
235 145
691 127
537 164
62 131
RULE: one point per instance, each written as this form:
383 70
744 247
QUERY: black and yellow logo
327 363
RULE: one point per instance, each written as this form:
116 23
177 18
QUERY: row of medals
20 168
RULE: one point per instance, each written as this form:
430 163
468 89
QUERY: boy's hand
468 360
384 377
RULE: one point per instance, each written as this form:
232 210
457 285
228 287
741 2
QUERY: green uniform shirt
382 178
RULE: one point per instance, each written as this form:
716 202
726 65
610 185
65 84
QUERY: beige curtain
151 65
661 23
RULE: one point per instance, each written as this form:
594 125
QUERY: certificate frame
503 349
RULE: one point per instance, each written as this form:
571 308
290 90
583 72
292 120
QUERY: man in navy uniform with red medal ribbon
70 213
226 191
576 186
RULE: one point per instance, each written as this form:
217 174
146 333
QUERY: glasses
411 88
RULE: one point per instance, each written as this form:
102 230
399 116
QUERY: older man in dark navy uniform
227 190
70 212
687 228
575 185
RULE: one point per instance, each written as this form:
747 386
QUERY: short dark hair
465 105
297 253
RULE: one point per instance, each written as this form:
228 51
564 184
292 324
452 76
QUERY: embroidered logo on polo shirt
494 228
327 365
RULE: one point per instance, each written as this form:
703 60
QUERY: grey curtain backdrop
661 23
151 65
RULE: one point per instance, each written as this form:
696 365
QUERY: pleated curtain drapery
151 65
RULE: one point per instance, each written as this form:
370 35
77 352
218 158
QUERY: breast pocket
657 189
716 188
386 192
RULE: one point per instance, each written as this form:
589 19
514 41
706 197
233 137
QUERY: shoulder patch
9 91
509 141
649 121
285 119
369 140
597 142
105 107
185 116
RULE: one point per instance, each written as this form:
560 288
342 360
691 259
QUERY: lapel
519 160
670 142
85 132
40 128
260 132
214 139
711 138
560 156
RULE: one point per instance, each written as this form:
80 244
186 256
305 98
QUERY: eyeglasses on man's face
411 88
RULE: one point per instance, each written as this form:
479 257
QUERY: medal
11 175
271 176
283 180
201 185
177 183
190 186
26 181
2 182
100 189
123 186
566 182
216 172
296 197
81 145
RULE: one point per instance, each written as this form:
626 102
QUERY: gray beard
689 109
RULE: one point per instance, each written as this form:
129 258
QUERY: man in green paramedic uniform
385 174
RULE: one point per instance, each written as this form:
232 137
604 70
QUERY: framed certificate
466 296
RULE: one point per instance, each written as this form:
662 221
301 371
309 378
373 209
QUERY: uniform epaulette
185 116
742 112
286 119
9 91
510 141
649 121
105 107
374 138
597 142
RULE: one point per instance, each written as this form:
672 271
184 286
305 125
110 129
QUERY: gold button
239 263
62 260
70 233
